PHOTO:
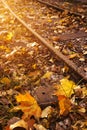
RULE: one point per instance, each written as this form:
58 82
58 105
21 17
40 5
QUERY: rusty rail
48 45
59 8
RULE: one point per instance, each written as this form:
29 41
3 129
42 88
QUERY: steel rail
59 8
47 44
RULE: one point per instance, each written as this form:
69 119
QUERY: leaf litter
26 65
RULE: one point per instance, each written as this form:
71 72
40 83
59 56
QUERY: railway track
58 53
59 5
45 46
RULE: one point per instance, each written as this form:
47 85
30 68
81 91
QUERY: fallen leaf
65 51
34 66
20 65
7 128
12 121
85 52
81 92
85 69
22 125
47 75
5 80
73 56
82 59
82 109
39 127
9 36
84 91
34 74
48 110
17 87
2 47
28 105
49 20
66 87
64 105
31 122
6 49
82 124
65 69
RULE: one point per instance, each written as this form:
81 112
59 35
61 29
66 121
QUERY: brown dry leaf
82 124
17 87
81 92
31 122
82 109
64 104
65 69
47 111
84 91
66 87
17 124
28 105
82 59
34 74
85 69
65 51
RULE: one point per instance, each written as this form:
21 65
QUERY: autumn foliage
28 105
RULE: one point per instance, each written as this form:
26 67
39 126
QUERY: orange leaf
25 98
28 105
64 104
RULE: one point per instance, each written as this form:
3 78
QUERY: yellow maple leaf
66 87
28 105
64 104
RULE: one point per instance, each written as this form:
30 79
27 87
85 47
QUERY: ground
29 70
